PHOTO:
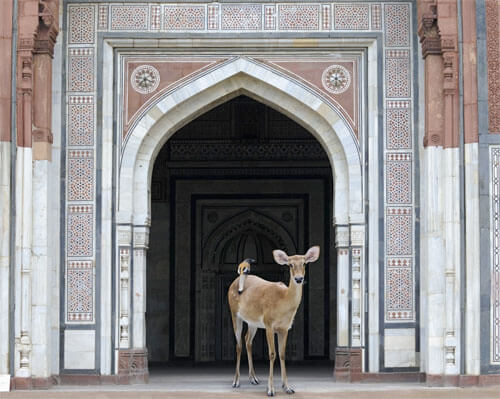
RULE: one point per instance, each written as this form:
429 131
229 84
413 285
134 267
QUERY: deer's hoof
236 384
254 380
288 390
270 393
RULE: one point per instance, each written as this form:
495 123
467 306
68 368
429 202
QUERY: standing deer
264 304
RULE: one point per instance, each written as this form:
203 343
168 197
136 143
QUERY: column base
133 366
347 364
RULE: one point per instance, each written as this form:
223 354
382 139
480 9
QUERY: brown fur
269 305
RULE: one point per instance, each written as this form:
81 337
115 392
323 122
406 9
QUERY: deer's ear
280 257
312 254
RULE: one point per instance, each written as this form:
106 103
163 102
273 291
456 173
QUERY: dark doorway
239 181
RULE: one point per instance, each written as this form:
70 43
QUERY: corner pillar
350 306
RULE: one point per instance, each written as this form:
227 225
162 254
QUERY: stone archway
164 118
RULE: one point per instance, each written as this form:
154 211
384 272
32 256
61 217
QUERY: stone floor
215 383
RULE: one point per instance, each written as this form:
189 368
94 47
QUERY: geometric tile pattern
298 16
129 17
399 276
398 181
326 17
80 291
398 125
155 18
376 17
103 17
399 226
270 17
81 175
495 253
190 17
80 232
80 163
351 16
81 121
81 24
213 17
397 73
397 25
81 70
241 17
399 283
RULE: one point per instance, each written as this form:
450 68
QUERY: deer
271 306
243 270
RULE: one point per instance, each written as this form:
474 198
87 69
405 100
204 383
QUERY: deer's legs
272 356
282 336
248 341
238 327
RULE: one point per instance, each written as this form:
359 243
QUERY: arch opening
237 182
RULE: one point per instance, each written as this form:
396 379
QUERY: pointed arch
241 76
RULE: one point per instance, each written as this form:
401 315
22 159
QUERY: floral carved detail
493 54
145 79
336 79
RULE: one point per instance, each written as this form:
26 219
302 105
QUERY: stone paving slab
215 383
358 392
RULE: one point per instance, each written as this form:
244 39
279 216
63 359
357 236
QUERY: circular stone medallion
336 79
145 79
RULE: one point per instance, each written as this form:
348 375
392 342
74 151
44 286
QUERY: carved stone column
141 242
124 266
357 286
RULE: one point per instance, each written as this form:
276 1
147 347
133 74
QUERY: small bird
243 270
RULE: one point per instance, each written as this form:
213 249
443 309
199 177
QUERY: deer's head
297 263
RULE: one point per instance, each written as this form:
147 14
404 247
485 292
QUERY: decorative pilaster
141 242
343 283
357 244
124 249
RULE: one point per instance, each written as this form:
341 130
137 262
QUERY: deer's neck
294 293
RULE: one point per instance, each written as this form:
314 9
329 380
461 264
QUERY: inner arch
238 181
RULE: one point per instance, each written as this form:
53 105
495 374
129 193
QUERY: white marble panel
399 347
79 348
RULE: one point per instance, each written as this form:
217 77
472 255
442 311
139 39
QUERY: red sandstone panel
338 85
147 79
5 77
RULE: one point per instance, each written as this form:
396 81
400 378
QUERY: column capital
342 236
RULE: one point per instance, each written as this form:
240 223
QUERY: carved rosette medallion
145 79
336 79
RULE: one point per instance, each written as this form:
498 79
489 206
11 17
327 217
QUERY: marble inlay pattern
180 17
495 254
81 121
241 17
129 17
398 183
298 16
351 16
398 125
81 70
80 291
397 73
81 175
81 24
399 231
80 233
397 25
399 284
